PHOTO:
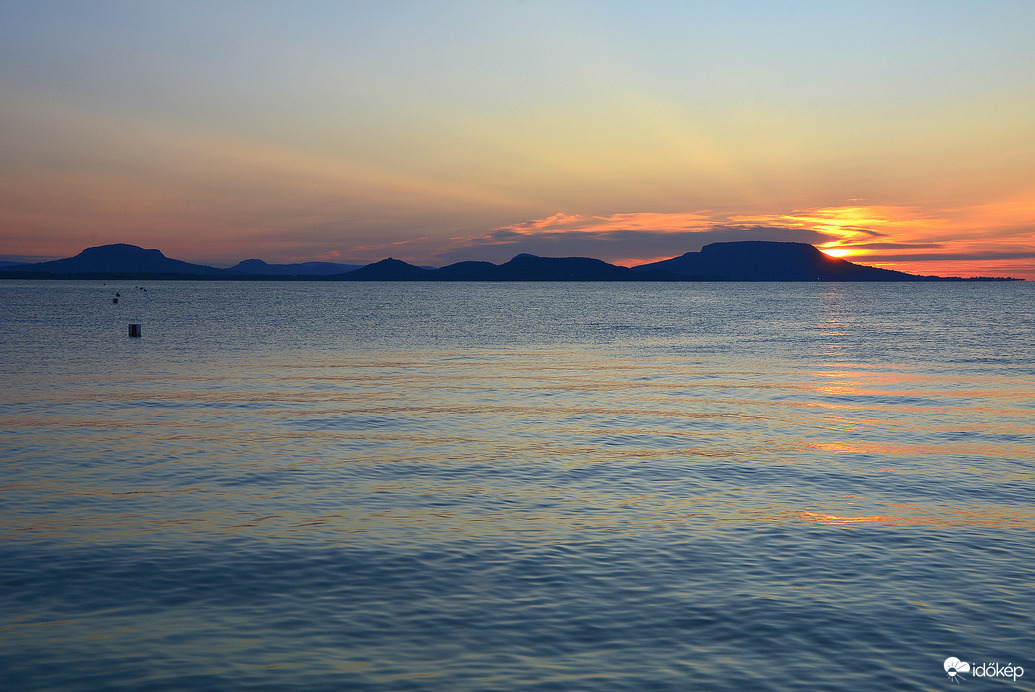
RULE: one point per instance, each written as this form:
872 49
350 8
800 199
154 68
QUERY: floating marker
134 330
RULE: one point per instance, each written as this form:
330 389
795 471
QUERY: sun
837 251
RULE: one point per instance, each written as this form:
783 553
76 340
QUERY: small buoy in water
117 294
114 300
134 330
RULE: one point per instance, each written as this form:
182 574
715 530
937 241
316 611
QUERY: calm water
316 486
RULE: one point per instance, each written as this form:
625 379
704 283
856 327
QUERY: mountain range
736 261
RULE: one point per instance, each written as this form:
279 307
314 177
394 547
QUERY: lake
534 486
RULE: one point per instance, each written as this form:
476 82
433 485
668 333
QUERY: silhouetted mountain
467 271
737 261
119 258
526 267
772 261
523 267
388 270
260 268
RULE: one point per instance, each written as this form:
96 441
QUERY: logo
955 668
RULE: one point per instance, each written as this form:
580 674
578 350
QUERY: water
309 486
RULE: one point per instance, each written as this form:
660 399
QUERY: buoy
115 300
134 330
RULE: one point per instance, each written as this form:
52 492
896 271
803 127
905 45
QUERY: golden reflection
939 516
844 447
817 518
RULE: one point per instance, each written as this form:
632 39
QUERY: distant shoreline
747 261
138 276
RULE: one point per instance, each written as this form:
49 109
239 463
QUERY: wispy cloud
972 256
627 238
886 234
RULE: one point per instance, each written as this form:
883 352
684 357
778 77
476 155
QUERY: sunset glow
896 134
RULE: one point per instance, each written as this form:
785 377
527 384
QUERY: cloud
855 223
556 221
629 238
891 246
944 256
891 235
637 221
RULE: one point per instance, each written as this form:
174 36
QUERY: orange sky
895 134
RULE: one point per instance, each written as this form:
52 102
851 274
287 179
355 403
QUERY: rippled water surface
515 486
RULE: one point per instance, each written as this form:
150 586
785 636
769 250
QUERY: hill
260 268
772 261
120 258
525 267
387 270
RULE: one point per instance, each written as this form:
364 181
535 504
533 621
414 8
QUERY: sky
897 134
